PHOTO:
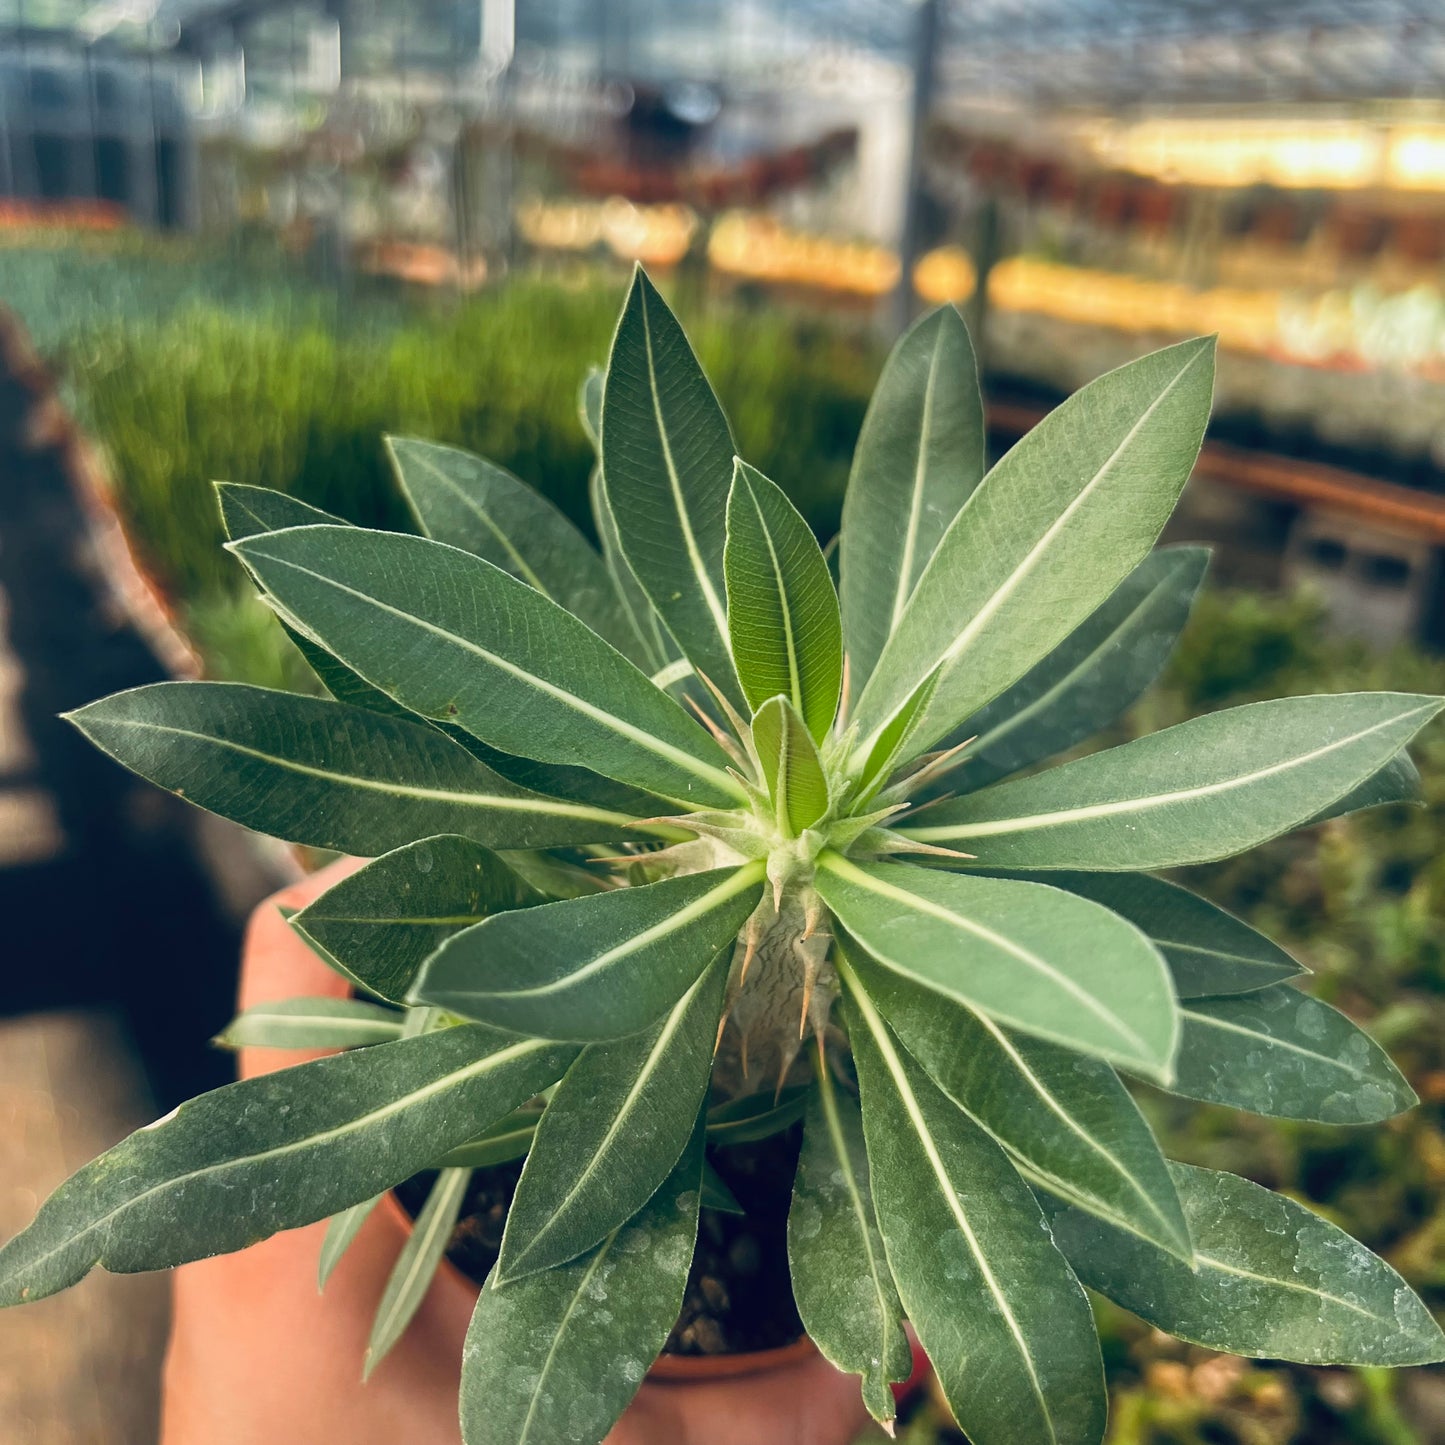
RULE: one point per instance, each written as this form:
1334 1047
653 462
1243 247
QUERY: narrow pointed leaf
1272 1280
592 968
324 774
1048 535
615 1127
755 1116
311 1023
715 1192
341 1234
411 1275
791 766
1003 1320
508 1139
1096 672
787 638
1206 789
1208 950
457 640
295 1146
380 924
667 466
919 457
558 1355
1397 782
656 648
1032 958
1279 1052
841 1280
248 512
471 503
1067 1122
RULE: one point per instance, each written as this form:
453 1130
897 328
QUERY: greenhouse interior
246 240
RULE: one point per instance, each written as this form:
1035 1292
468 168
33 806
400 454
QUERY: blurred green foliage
224 368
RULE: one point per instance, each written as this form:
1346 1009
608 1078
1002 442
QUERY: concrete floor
81 1368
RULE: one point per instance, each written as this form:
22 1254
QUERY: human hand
259 1357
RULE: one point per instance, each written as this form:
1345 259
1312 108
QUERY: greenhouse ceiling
1033 51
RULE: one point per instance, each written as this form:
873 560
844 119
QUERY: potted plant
678 845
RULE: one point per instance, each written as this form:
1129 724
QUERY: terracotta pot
666 1368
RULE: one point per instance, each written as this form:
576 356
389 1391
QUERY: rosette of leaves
664 828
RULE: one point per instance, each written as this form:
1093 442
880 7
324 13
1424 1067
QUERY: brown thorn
808 980
722 1024
748 954
722 738
743 1053
935 851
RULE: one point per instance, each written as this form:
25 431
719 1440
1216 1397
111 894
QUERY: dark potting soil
739 1297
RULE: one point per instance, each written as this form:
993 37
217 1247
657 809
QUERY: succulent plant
679 842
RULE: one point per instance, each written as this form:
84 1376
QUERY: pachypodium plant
679 842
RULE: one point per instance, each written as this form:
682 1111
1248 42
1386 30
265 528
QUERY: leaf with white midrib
298 1145
1208 950
325 774
471 503
1086 682
920 454
1193 793
311 1023
411 1275
593 968
1273 1280
1034 958
1009 1332
1049 533
667 464
613 1129
1276 1051
458 640
783 622
1065 1121
558 1355
841 1281
341 1234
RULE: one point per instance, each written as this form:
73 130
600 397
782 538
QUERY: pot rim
666 1369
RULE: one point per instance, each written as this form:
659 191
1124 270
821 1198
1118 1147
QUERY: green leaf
468 502
755 1116
411 1275
667 466
792 769
249 511
1066 1122
715 1192
380 924
1279 1052
558 1355
508 1139
593 968
1048 535
787 638
1096 672
295 1146
615 1127
341 1234
841 1281
919 457
1397 782
1003 1320
655 647
1272 1280
311 1023
324 774
457 640
1208 950
1033 958
1206 789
